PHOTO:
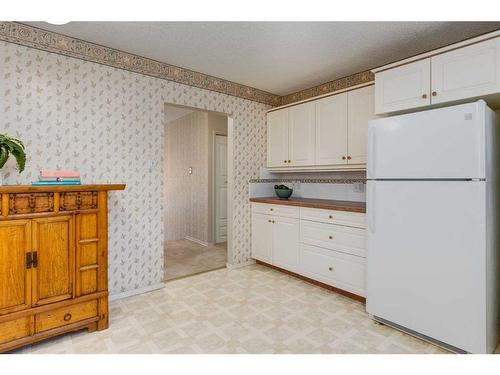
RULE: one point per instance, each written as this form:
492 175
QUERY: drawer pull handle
330 217
269 221
67 317
271 209
330 268
330 237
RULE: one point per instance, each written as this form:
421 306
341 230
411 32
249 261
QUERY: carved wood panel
81 200
29 203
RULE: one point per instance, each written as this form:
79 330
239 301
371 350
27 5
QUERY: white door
277 138
220 188
466 72
302 138
286 242
407 86
361 109
440 143
331 130
262 237
426 258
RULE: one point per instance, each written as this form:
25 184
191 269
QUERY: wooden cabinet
325 134
331 130
466 72
405 87
323 245
53 261
455 75
302 130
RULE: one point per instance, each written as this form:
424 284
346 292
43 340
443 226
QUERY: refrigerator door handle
371 212
371 152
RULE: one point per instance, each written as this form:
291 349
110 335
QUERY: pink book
53 174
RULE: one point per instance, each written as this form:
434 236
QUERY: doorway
196 191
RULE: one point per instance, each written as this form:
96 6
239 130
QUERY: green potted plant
283 191
11 146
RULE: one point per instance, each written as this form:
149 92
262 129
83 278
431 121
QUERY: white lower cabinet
323 245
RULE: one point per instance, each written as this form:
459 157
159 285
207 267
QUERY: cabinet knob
330 268
343 158
269 220
289 161
271 209
424 96
330 217
434 93
67 317
348 158
284 161
273 221
330 237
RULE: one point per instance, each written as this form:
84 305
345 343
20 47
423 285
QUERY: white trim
438 51
134 292
200 242
216 133
239 265
350 88
230 185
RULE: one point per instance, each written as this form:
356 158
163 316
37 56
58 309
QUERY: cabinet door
277 138
286 242
466 72
331 130
87 254
404 87
262 237
361 109
302 139
15 277
53 241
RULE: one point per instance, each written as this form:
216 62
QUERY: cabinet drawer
15 329
276 210
340 270
334 237
65 315
351 219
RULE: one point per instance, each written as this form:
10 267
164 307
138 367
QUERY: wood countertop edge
325 204
59 188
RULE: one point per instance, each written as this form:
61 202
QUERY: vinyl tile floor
185 258
249 310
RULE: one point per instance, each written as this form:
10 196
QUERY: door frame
216 133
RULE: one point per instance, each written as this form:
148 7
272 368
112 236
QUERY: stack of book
58 178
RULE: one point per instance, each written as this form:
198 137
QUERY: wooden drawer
351 219
77 200
30 203
340 270
276 210
335 237
65 315
15 329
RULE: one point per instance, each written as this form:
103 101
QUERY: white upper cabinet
301 135
277 138
361 109
404 87
331 130
466 72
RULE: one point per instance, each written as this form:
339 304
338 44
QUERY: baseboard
200 242
239 265
134 292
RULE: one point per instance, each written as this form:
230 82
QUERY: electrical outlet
359 187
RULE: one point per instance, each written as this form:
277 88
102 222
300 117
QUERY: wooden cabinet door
466 72
302 135
15 276
286 242
404 87
53 241
331 130
277 138
262 237
361 109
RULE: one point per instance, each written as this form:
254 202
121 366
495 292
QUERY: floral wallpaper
108 123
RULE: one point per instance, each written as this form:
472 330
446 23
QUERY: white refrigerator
432 238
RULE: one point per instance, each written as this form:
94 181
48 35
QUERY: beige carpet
184 258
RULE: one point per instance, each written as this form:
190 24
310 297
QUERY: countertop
327 204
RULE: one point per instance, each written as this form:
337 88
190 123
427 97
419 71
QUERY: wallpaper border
34 37
328 87
49 41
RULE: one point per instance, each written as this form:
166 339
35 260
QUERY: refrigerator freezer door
426 258
439 144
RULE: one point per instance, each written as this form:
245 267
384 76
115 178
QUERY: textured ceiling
278 57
